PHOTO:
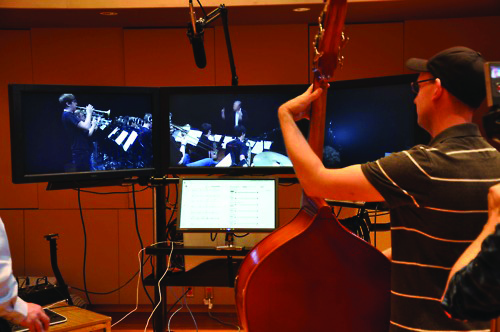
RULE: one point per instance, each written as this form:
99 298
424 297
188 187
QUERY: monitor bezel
226 230
75 179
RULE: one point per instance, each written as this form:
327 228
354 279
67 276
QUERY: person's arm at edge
489 228
347 183
12 307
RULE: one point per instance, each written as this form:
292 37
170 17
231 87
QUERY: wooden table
80 320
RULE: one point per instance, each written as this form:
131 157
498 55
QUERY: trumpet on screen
84 109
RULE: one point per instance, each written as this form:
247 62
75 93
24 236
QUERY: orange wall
151 57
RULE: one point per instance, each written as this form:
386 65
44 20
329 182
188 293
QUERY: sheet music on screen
220 204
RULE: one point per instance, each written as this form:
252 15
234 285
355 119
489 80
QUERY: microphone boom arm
209 18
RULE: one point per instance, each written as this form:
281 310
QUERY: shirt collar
461 130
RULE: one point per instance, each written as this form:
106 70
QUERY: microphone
195 34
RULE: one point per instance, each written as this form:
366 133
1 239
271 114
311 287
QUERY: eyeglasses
415 86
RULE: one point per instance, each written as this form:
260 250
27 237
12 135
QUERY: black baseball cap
461 71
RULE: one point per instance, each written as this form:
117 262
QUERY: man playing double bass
436 192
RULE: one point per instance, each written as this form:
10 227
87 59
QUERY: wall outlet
190 292
209 292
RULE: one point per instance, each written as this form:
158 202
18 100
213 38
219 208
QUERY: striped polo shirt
437 194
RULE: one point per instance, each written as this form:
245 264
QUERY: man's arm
12 307
347 183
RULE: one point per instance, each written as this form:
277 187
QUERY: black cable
142 245
221 322
203 10
167 196
171 228
180 298
112 192
84 249
117 289
213 238
286 184
241 235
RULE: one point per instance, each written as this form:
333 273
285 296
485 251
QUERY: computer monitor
250 144
230 205
49 142
368 119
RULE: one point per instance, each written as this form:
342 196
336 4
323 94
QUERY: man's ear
438 89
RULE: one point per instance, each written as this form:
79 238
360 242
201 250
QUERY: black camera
491 121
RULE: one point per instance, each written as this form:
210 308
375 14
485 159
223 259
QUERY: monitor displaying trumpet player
99 142
79 135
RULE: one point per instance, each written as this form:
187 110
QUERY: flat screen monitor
228 130
370 118
53 140
218 204
366 119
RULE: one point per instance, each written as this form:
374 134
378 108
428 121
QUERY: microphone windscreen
199 52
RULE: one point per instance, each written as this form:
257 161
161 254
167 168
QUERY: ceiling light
302 9
109 13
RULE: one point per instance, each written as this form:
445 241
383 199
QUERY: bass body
314 275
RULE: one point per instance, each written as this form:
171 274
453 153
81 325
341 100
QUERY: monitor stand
229 243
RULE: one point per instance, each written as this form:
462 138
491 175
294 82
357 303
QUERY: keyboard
55 318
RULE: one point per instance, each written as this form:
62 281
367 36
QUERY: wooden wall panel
78 57
14 226
164 57
264 54
91 198
289 195
15 67
424 38
128 248
102 248
373 50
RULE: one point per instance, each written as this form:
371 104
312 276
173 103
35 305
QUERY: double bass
312 274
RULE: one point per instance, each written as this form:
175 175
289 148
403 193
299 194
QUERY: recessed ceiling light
109 13
302 9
